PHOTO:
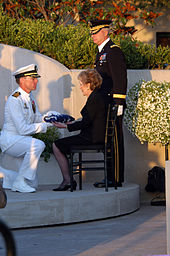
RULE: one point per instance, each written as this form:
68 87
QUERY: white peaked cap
30 70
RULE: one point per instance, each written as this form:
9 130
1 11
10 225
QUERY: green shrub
130 48
142 56
72 45
156 58
7 29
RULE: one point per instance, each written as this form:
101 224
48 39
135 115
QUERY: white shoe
8 177
32 183
21 186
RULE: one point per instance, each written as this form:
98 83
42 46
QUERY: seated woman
92 125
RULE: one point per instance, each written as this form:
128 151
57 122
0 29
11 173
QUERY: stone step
46 207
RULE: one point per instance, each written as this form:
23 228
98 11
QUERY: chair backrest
110 125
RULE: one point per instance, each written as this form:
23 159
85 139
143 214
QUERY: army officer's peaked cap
30 70
97 25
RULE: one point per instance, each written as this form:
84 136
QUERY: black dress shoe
62 187
101 184
66 187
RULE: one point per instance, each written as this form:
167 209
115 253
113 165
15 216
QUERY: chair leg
114 168
71 171
105 171
80 172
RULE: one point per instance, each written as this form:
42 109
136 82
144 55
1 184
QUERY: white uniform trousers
30 149
7 177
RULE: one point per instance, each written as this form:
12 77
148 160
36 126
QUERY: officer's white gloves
49 124
120 110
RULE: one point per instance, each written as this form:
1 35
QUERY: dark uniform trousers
110 63
115 166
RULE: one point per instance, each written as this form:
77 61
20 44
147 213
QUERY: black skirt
64 144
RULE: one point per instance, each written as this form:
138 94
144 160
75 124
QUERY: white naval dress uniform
21 120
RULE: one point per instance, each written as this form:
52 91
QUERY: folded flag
61 118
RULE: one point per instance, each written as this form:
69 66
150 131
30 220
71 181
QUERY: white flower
147 114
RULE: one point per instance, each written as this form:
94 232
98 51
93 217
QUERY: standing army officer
110 63
21 120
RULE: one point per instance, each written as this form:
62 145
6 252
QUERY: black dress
92 125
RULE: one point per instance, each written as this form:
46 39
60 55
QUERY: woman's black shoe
74 185
66 187
62 187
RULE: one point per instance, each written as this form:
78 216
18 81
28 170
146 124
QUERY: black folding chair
107 148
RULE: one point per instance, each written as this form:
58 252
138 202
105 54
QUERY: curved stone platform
46 207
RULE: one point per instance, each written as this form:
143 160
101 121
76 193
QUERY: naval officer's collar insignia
16 94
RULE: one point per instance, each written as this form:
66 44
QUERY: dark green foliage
156 58
131 50
143 56
72 45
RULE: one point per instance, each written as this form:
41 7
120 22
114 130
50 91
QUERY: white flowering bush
147 115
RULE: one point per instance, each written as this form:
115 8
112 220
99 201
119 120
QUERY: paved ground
138 234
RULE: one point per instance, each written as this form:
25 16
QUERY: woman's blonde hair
92 77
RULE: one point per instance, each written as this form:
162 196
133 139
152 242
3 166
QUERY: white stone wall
59 90
52 84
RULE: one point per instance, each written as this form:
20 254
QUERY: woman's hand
59 125
71 122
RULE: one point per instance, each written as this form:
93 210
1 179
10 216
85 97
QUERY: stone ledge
46 207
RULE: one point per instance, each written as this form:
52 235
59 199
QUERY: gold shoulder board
114 45
16 94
